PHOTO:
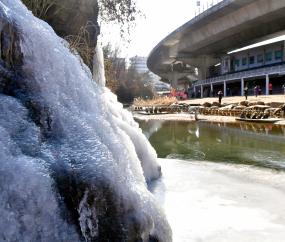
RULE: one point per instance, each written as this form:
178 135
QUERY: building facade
140 63
252 58
260 66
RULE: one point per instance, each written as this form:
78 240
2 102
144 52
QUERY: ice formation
73 163
224 202
98 67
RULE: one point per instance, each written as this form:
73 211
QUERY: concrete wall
215 71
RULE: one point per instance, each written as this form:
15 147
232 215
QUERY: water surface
260 145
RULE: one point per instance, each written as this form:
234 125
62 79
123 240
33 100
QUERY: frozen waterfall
73 163
98 67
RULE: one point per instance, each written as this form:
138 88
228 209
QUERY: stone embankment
243 109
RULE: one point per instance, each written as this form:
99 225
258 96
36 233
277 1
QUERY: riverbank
212 202
234 99
213 118
190 118
261 98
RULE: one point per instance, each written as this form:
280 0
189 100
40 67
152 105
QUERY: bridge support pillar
225 89
241 87
211 86
202 91
267 85
174 80
203 73
174 83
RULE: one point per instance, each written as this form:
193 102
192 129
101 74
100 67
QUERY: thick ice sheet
214 202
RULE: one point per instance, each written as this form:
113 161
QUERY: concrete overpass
200 43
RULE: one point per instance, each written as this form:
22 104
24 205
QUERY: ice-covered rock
73 163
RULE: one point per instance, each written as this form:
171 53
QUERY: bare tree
121 12
110 77
115 66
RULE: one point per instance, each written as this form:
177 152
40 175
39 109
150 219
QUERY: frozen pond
212 202
221 182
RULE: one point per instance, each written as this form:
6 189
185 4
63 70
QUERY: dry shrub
111 81
44 9
161 101
80 44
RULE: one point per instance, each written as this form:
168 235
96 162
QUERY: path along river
221 181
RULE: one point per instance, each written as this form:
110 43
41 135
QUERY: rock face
243 103
69 16
206 104
77 14
254 103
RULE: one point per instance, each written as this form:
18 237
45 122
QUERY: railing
252 73
219 5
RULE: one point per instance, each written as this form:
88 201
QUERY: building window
237 62
260 58
278 55
251 60
268 57
244 61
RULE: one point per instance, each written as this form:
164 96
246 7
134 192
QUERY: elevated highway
200 43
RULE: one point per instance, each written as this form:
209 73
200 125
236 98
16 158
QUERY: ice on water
85 134
212 202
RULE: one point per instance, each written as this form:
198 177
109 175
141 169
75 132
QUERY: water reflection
149 127
239 143
193 128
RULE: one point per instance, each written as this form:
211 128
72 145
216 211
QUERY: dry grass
45 9
111 80
162 101
80 44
